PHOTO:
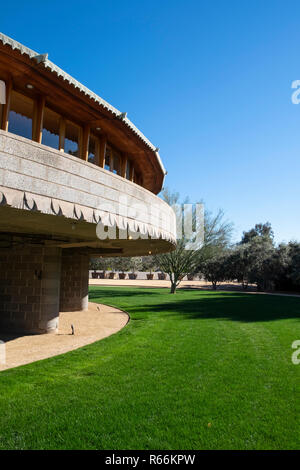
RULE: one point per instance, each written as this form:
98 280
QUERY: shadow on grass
100 292
201 305
232 306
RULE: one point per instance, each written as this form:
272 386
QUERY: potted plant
161 276
94 267
135 265
103 267
121 265
96 264
190 276
149 265
111 268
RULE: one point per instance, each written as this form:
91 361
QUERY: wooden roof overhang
75 104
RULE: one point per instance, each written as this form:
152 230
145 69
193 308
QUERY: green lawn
182 362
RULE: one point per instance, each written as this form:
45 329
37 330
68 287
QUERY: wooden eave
72 103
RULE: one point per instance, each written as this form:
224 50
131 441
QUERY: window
92 150
128 169
116 164
50 133
20 115
107 159
72 139
2 99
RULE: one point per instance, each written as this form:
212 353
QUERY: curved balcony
47 194
41 102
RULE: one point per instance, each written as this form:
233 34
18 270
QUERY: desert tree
192 251
216 269
252 259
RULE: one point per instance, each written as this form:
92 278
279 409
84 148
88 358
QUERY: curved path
96 323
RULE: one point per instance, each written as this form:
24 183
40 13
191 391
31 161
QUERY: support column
50 290
29 289
74 281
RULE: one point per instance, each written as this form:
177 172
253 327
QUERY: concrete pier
30 279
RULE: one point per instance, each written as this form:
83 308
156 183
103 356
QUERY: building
77 179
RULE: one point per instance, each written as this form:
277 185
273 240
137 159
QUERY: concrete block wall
29 288
74 280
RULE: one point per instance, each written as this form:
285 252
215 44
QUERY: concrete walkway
96 323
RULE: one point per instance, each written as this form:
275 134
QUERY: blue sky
207 82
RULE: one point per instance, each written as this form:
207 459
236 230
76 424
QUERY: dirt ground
201 285
156 283
96 323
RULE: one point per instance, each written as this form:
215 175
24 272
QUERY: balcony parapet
39 179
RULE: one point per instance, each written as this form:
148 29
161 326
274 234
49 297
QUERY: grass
183 361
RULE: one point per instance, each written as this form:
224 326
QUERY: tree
287 266
98 263
136 264
252 260
260 230
149 264
260 255
122 264
294 275
215 269
110 263
281 267
178 263
183 259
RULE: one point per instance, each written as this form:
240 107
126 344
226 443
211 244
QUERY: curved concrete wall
37 178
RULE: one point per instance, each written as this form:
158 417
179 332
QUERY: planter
190 277
161 276
111 275
122 275
132 276
150 277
